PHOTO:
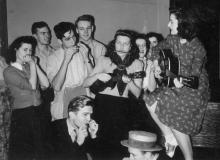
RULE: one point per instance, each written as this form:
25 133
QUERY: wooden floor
200 154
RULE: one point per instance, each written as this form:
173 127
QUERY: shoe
170 145
170 149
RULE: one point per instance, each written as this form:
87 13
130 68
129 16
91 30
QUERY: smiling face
68 40
122 45
81 117
173 24
141 43
43 36
23 53
84 29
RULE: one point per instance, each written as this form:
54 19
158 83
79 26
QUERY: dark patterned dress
183 108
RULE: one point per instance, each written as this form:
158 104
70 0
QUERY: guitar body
169 65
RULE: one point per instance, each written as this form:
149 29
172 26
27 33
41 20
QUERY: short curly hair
61 28
86 17
80 102
158 36
16 44
111 53
37 25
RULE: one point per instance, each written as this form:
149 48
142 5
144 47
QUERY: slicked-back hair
87 17
80 102
37 25
16 44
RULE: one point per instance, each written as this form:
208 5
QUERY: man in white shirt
85 28
67 68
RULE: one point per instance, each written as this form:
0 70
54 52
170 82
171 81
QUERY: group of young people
119 85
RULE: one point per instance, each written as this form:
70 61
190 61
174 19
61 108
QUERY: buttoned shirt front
76 73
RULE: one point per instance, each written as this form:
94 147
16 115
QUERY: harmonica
120 51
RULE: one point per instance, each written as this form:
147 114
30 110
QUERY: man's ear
77 31
34 35
72 114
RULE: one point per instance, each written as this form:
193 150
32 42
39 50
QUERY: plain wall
110 15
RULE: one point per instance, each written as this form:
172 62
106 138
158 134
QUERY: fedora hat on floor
145 141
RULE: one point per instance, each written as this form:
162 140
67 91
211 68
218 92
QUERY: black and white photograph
109 80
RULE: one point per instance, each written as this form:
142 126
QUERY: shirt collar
89 42
70 127
17 65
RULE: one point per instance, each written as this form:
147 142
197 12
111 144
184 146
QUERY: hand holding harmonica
81 134
93 128
69 52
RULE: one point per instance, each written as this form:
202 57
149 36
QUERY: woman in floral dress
180 109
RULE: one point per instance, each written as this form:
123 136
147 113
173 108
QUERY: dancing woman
179 110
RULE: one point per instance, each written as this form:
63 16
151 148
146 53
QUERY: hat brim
154 148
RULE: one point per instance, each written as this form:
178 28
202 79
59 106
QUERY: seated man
73 134
142 146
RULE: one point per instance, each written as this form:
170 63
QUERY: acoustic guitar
170 69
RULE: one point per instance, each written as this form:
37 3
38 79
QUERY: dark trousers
45 118
25 140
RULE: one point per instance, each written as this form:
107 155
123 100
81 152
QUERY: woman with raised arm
143 45
114 76
179 109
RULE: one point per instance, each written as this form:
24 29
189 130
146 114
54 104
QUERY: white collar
143 59
70 127
17 65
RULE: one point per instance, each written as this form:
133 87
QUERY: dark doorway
3 27
210 36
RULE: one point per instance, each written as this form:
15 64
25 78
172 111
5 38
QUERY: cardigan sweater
20 88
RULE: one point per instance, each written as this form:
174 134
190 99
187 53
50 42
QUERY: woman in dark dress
114 110
180 109
24 78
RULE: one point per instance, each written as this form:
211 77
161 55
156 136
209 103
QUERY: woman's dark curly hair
158 36
133 53
16 44
187 27
144 37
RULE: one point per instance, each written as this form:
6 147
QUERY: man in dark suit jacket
72 135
